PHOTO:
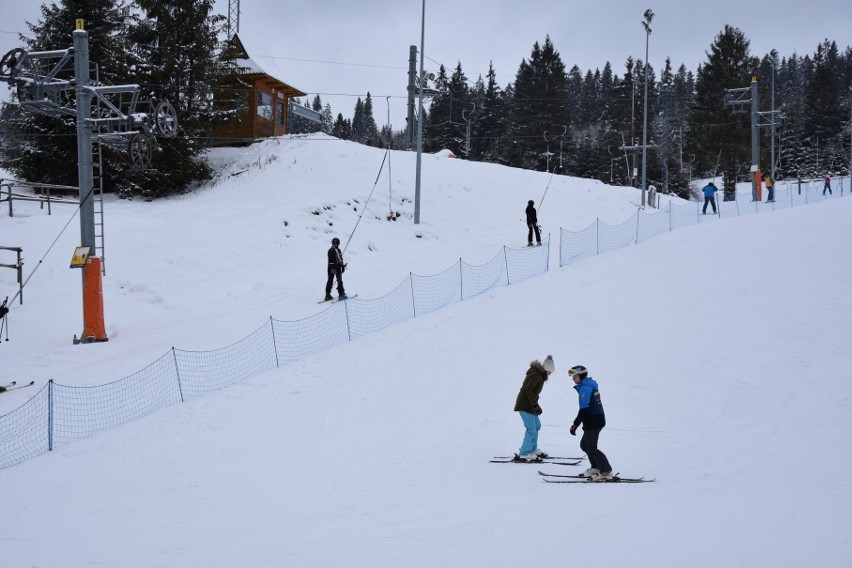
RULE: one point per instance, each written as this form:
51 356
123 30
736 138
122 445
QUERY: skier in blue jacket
591 416
709 197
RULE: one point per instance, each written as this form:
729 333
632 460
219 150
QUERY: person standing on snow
532 223
527 406
770 188
709 197
827 186
591 416
336 267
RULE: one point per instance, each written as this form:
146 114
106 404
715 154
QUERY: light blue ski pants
533 425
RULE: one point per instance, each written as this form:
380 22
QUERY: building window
264 105
279 118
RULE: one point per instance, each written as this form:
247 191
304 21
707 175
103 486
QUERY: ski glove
538 410
573 429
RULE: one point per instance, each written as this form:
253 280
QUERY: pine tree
358 131
342 128
825 112
44 148
719 135
540 104
487 125
436 130
327 119
368 123
178 50
626 117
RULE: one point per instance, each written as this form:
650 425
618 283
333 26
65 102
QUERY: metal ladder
98 196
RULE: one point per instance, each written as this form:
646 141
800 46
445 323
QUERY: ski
547 458
14 386
585 479
588 481
335 300
547 461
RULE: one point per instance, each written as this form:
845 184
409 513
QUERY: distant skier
532 223
770 188
527 406
591 416
827 186
709 197
336 268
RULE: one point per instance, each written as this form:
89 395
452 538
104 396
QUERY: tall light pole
419 120
649 15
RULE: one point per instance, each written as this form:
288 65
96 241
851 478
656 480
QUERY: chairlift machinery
44 82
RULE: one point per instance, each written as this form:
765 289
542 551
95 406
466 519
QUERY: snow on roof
257 54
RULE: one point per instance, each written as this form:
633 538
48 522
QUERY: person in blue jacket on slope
591 416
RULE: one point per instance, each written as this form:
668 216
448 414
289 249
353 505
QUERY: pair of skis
548 459
14 385
584 479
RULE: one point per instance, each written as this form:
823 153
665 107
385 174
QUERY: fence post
638 216
274 343
461 280
547 260
411 285
561 242
670 216
177 374
597 235
50 415
506 261
348 327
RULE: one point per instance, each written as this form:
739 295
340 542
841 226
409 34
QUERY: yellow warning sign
81 254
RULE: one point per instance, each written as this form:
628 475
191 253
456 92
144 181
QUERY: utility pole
738 98
649 15
412 88
772 141
84 139
419 121
755 141
123 129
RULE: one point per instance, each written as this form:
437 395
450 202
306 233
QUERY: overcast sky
342 49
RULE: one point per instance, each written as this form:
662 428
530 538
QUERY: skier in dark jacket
527 406
532 223
591 416
336 267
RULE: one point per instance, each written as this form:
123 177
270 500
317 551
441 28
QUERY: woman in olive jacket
527 405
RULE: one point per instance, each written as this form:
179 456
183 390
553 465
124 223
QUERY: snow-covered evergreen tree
44 148
178 49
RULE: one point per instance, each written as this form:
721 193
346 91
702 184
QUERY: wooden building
268 97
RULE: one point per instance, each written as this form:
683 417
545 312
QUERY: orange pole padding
759 181
93 301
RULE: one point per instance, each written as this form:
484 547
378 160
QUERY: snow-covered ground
721 350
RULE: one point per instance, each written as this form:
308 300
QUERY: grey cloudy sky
341 49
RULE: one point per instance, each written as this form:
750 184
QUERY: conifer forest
552 117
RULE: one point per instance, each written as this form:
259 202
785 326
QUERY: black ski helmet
530 202
335 241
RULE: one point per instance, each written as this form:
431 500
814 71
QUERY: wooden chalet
268 97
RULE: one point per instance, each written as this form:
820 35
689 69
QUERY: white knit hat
548 364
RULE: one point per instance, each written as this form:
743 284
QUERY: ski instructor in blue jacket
591 416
